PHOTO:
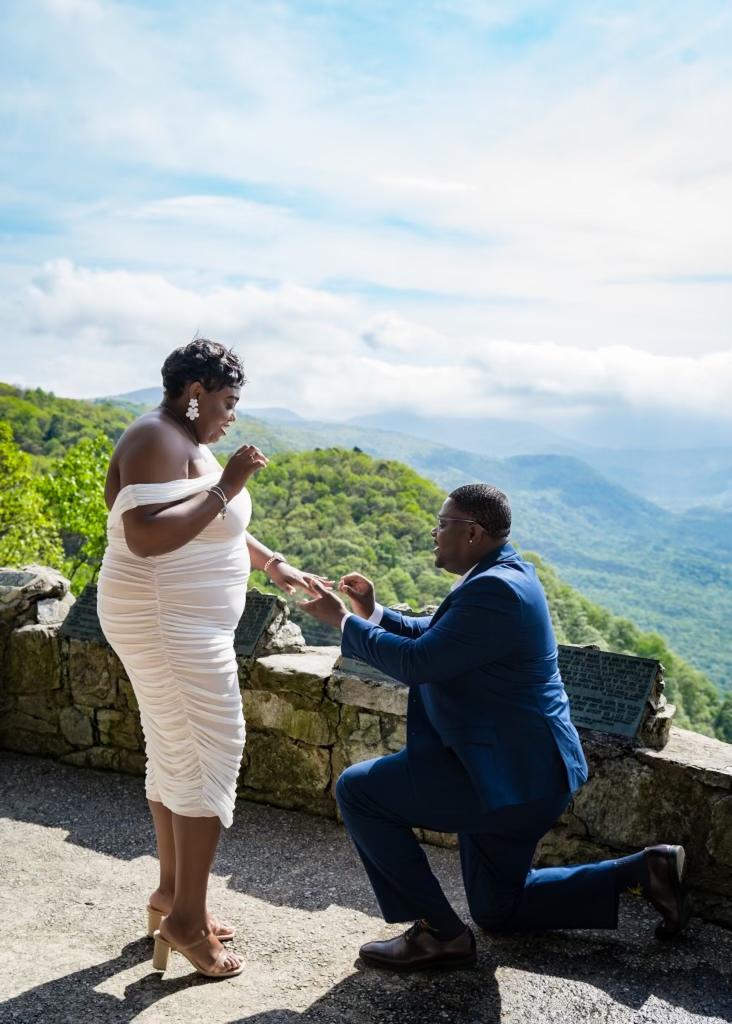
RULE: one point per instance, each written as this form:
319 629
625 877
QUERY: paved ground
76 868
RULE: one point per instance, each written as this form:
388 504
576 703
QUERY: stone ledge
304 672
710 759
389 698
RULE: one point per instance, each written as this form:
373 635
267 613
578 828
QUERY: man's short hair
488 506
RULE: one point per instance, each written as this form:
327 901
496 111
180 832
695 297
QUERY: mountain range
586 510
696 477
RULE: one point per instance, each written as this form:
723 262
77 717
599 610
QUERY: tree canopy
44 425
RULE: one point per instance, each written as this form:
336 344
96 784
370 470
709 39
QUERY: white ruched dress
171 620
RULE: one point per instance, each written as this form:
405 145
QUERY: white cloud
105 331
426 184
391 333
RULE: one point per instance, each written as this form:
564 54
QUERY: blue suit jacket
484 681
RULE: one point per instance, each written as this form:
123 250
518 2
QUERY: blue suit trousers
383 799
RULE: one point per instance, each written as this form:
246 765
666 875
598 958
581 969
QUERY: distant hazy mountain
495 437
677 480
143 397
149 397
271 414
621 425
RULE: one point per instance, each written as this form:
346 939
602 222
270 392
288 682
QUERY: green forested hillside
341 510
43 424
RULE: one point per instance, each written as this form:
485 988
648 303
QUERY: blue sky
455 207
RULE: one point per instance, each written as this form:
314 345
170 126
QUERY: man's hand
360 592
327 607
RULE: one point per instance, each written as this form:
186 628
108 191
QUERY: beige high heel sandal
155 916
163 949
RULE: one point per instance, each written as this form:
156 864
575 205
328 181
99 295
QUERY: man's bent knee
352 783
497 914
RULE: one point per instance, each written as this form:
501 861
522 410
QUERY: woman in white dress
172 589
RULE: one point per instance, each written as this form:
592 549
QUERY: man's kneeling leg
376 801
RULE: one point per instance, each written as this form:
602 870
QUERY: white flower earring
192 410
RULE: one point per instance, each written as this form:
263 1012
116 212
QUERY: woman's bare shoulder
151 450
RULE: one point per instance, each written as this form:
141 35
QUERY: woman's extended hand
242 465
287 578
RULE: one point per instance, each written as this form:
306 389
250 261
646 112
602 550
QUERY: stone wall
307 720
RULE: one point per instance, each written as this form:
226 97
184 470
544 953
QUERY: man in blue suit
491 754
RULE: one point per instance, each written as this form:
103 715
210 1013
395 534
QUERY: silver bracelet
274 557
222 498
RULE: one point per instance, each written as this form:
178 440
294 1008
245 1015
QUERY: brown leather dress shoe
666 889
419 949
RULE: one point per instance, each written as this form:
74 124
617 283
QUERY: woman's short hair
214 365
488 506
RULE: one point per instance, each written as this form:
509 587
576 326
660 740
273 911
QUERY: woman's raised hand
243 464
361 593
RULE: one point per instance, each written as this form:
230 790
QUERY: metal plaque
259 611
82 622
607 692
16 579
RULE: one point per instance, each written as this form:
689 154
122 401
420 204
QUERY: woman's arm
258 553
282 574
158 529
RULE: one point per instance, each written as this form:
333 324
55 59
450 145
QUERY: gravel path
76 869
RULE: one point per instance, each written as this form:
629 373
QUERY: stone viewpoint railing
308 718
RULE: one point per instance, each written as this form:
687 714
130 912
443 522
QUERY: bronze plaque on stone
16 579
82 622
259 611
607 692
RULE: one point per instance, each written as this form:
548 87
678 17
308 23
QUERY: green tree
28 532
723 722
74 492
44 425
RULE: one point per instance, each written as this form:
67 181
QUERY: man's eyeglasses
442 520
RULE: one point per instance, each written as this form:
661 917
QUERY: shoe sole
663 934
453 964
